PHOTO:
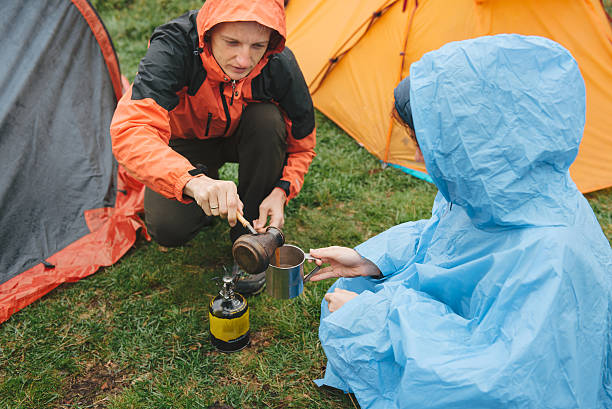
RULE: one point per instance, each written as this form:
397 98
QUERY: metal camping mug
285 273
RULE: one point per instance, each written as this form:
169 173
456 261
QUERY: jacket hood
269 13
499 120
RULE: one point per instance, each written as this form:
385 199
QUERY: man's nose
243 58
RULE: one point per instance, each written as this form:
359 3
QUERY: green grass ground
135 335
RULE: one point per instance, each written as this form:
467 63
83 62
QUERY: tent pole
325 70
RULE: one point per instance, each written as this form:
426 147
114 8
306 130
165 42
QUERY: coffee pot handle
245 223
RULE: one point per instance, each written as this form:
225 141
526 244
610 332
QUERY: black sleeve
171 63
281 80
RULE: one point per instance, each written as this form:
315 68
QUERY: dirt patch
261 339
93 388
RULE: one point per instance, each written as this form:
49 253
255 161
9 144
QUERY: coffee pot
253 252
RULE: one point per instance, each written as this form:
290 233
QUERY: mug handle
307 256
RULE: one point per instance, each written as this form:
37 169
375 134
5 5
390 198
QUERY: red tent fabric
113 232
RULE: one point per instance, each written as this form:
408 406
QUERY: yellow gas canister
228 317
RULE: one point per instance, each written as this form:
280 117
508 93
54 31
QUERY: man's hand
338 298
215 197
273 206
344 262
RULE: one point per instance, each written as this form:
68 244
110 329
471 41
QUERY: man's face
238 46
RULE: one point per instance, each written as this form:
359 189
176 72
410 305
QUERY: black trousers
259 147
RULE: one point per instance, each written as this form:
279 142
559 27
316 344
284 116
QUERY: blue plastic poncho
502 298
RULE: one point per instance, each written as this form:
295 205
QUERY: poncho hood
499 123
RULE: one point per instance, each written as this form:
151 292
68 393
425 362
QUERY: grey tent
66 208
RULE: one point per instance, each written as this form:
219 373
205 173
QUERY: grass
135 335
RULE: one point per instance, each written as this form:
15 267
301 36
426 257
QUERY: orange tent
354 55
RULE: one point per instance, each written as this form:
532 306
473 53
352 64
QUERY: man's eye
259 46
232 43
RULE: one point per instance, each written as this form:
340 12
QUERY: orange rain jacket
181 92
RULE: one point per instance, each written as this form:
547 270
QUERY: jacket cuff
286 186
199 170
180 185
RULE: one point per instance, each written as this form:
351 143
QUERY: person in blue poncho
502 298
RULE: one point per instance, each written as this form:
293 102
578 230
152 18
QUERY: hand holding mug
343 262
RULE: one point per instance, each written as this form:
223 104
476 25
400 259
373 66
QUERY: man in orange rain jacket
217 85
